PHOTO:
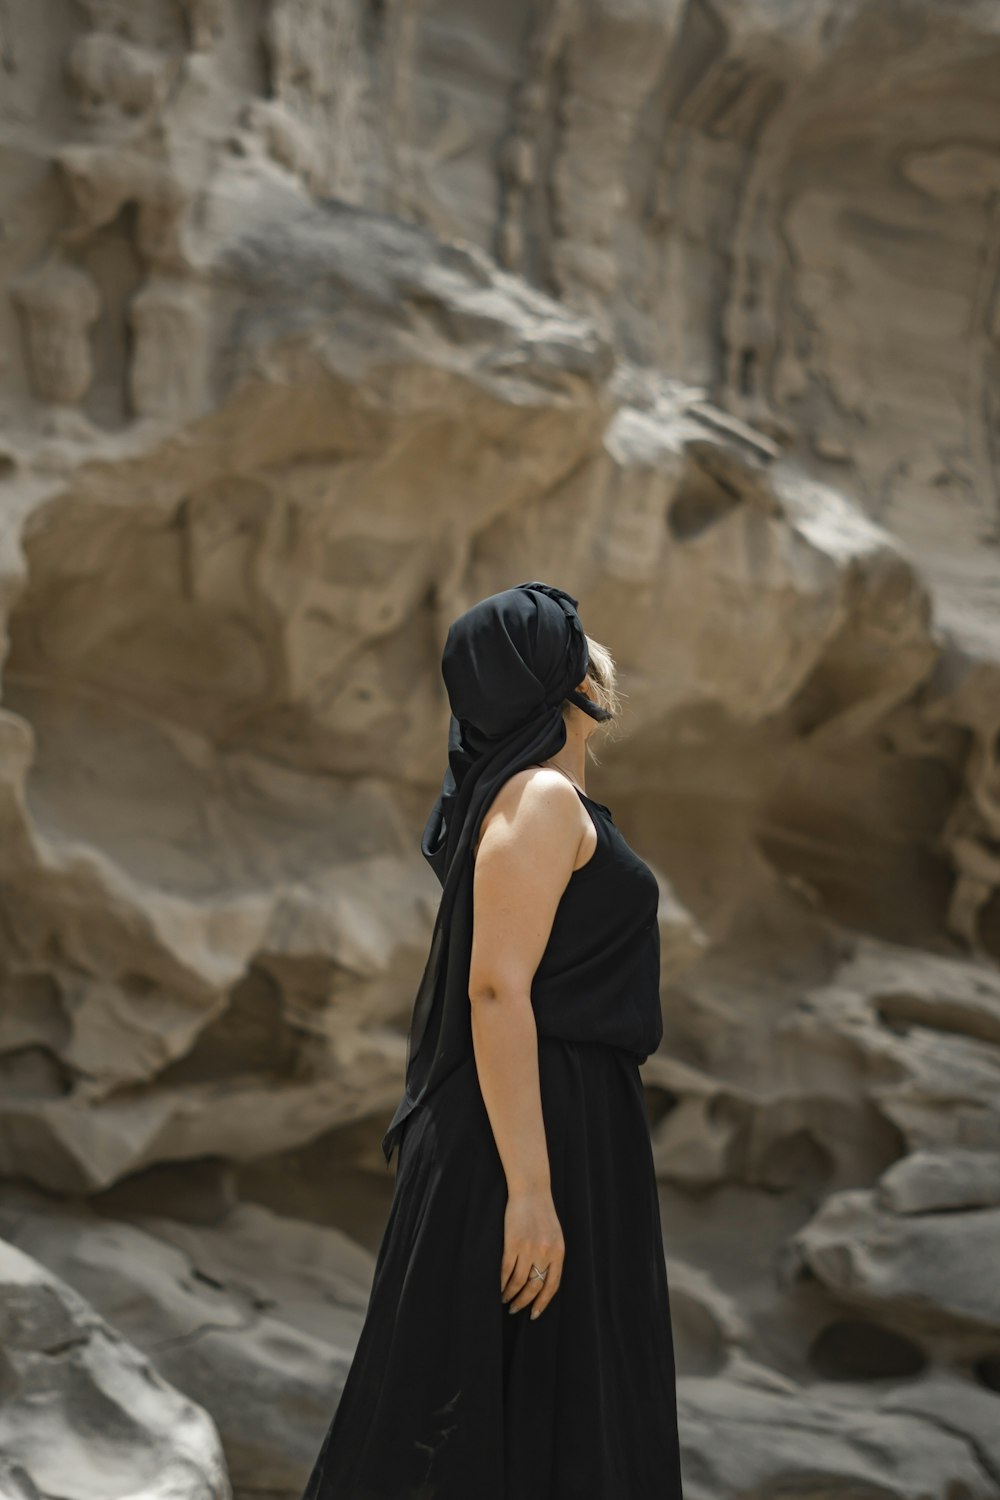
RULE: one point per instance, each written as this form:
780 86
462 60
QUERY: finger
531 1286
516 1281
517 1276
523 1285
507 1265
548 1291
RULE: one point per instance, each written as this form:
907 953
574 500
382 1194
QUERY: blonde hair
602 680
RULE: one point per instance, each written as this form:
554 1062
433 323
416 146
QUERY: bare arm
528 848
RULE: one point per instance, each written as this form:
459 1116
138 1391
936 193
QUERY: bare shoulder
531 840
535 804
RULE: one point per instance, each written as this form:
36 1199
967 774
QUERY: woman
518 1342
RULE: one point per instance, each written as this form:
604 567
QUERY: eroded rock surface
320 322
254 1317
84 1413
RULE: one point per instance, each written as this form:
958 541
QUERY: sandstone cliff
322 319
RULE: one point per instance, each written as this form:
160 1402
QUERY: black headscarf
509 664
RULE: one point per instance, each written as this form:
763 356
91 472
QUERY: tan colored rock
738 1439
204 22
60 304
923 1271
167 372
285 139
324 322
104 180
927 1030
110 73
957 1408
939 1181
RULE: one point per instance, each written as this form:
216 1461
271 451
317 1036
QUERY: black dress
452 1397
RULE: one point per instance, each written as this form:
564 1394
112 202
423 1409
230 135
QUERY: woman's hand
532 1235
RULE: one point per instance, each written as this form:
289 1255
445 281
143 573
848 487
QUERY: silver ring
537 1275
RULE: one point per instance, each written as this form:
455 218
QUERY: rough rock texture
255 1317
84 1413
323 320
744 1440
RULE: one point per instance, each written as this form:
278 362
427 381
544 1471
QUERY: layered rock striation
320 322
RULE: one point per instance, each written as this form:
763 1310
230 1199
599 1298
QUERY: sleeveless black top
599 977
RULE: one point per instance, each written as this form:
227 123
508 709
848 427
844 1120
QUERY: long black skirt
452 1397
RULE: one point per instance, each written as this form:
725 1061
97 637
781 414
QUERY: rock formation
83 1411
322 320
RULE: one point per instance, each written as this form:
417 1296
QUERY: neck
572 759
